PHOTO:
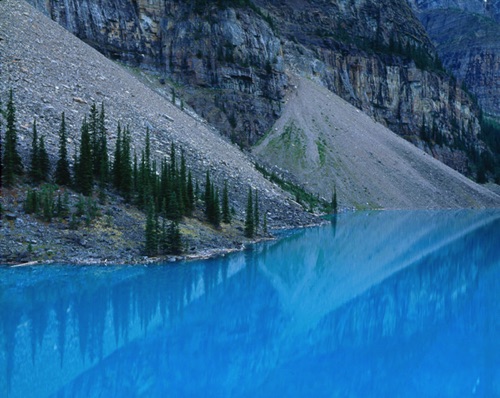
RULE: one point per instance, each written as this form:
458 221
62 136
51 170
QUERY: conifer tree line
166 191
252 216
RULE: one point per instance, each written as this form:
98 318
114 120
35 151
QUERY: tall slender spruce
12 163
34 171
62 173
250 216
43 160
226 212
83 167
256 215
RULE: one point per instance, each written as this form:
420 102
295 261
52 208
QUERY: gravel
52 71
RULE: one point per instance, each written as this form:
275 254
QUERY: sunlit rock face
466 35
234 62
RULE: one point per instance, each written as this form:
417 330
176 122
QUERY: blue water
377 304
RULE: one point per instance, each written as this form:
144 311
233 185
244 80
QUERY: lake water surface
377 304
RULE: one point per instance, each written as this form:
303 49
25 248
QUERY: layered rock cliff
467 34
232 61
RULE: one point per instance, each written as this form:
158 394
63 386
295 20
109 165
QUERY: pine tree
226 212
1 157
12 163
250 216
216 208
117 163
256 215
190 193
183 184
93 121
62 174
173 211
126 166
1 171
102 147
83 166
151 238
43 160
334 204
174 239
208 195
34 171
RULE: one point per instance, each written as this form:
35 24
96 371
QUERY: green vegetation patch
291 143
306 199
322 149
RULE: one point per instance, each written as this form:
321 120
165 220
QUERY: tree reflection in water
378 304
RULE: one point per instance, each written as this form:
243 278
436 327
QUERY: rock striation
466 36
233 60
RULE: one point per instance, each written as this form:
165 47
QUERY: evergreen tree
173 211
135 175
35 156
1 157
93 122
12 163
334 204
151 244
43 160
250 216
190 193
197 191
102 148
183 184
126 166
62 174
226 212
256 220
83 167
208 195
215 208
117 163
147 150
1 169
174 239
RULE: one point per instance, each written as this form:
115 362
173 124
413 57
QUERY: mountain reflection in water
376 304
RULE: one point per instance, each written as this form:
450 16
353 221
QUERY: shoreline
203 254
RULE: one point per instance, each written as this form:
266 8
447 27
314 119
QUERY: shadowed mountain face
233 60
337 145
466 35
372 305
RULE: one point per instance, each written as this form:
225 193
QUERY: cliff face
466 35
377 56
232 62
230 59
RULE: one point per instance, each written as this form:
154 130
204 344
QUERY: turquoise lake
375 304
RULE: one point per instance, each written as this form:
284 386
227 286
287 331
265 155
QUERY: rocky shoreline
115 236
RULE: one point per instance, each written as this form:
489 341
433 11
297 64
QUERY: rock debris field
52 72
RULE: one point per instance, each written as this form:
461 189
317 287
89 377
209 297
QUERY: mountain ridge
52 71
230 62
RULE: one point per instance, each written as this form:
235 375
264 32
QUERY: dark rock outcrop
232 61
466 35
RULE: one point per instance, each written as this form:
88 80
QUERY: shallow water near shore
376 304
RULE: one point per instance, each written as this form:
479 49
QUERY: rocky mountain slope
326 144
233 60
467 34
51 71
